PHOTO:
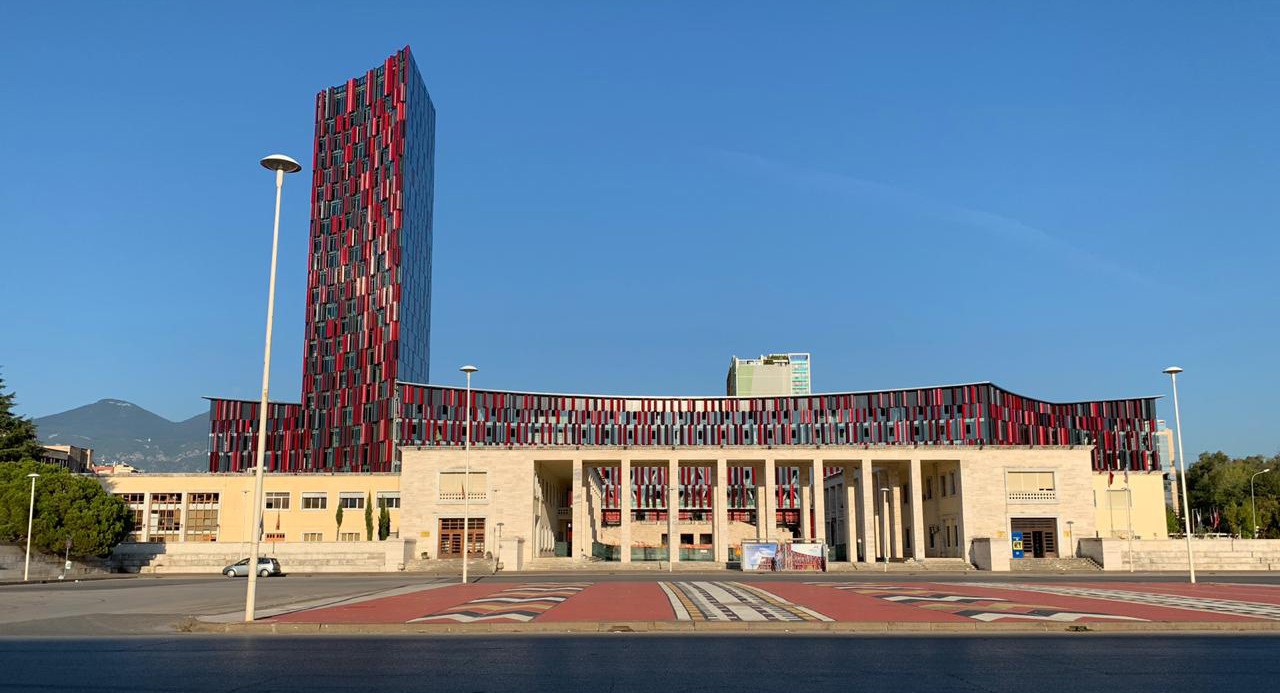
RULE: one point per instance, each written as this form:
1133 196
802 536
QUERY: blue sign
1017 545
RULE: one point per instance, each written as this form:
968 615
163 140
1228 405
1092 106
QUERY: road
142 605
535 664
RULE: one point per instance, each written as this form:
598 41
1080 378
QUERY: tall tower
369 270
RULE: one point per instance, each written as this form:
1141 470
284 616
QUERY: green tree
1172 523
18 440
67 506
1219 488
368 517
384 523
337 516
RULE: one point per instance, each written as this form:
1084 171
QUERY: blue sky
1063 200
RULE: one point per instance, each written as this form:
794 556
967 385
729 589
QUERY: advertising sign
759 555
802 556
1017 544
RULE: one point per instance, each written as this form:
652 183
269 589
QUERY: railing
1033 496
564 513
458 495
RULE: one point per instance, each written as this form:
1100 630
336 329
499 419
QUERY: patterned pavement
727 601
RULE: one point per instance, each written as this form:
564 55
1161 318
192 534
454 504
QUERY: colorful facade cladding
369 271
972 414
233 439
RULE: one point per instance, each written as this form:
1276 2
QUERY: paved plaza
801 602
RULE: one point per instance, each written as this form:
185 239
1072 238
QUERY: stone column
962 543
896 524
673 510
624 506
819 501
917 511
806 479
770 522
866 511
146 518
581 544
720 512
757 469
852 526
182 515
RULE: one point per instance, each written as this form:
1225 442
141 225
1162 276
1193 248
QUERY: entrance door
1040 535
451 537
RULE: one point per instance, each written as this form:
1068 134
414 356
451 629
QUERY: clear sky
1063 200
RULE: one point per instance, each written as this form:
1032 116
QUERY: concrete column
917 511
963 543
770 522
182 515
852 526
720 512
866 511
896 525
819 501
624 504
806 479
581 545
146 518
673 510
758 470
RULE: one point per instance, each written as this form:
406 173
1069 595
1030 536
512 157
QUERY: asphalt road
153 605
810 664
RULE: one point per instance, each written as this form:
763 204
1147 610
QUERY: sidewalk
719 605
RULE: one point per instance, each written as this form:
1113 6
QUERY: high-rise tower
369 272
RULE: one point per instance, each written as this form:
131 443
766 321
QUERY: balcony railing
458 495
1033 496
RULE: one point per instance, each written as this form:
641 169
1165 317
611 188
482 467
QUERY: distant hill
120 431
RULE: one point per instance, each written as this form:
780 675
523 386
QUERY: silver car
266 566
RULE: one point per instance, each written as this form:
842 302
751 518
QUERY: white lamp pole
31 516
281 164
466 477
1173 372
1253 501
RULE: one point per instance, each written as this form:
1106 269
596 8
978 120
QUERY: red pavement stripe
613 601
1090 604
846 605
398 609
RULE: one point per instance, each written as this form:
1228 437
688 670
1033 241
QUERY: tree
368 517
337 516
1220 498
18 440
384 523
68 506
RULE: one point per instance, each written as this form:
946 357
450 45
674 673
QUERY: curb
848 627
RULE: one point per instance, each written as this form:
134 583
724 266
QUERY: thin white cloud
989 222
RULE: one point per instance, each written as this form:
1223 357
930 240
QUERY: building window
315 501
451 486
953 483
351 500
928 488
277 500
272 537
165 523
1030 487
137 503
389 500
202 517
312 536
349 536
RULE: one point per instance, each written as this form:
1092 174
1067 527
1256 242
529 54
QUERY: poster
759 555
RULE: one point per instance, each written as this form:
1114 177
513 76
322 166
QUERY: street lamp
1253 501
1173 372
466 476
31 516
281 164
884 526
497 554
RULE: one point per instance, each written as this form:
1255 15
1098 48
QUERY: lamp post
281 164
497 553
884 526
1253 501
31 516
466 477
1173 372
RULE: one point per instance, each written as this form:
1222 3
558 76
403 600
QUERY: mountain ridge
121 431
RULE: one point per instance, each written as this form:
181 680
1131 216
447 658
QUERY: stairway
1053 565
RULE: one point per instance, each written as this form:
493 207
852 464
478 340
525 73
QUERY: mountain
120 431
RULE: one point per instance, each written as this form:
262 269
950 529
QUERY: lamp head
280 162
33 475
468 369
1173 370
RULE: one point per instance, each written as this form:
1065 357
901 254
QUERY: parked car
266 566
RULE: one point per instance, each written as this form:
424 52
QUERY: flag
1111 477
277 522
1126 481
